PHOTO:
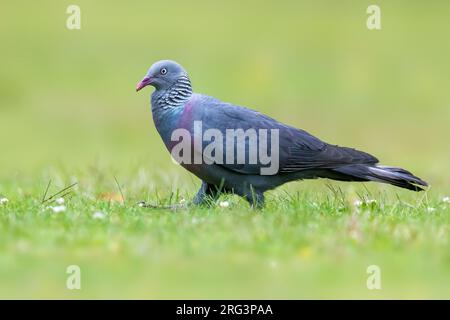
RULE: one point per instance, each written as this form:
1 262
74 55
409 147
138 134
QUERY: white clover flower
357 203
60 201
141 204
446 199
224 204
431 209
183 201
99 215
4 200
58 209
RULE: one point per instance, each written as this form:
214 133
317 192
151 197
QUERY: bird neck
174 96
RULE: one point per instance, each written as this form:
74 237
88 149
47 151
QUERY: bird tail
395 176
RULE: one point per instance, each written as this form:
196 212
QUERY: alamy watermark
374 19
73 281
73 21
232 147
374 279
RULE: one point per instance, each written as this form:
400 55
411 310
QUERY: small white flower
4 200
183 201
60 201
99 215
431 209
224 204
446 199
58 209
358 203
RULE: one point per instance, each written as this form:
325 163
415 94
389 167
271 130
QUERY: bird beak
145 82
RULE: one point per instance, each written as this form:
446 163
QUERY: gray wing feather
298 151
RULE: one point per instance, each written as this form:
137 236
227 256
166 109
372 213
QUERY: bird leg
206 194
255 198
209 193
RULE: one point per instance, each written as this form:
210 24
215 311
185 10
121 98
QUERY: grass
314 243
69 114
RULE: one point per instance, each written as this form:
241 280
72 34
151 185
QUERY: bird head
162 75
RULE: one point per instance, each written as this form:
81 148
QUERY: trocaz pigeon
238 167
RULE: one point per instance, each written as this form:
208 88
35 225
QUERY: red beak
145 82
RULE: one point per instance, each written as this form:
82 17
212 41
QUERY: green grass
69 113
312 243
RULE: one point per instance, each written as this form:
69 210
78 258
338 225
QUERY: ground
69 114
304 244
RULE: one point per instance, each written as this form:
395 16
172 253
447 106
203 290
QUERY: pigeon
299 155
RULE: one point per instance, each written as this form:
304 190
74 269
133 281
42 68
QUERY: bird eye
163 71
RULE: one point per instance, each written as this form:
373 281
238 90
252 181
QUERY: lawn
304 244
69 116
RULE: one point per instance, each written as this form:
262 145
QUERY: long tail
395 176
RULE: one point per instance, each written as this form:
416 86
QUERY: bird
175 106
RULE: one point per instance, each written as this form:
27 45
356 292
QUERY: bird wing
298 150
329 157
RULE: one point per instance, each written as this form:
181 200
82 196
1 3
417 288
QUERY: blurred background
67 96
68 100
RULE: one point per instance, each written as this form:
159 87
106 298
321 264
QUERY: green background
69 113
